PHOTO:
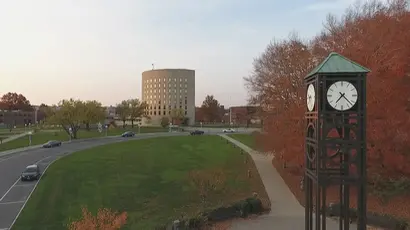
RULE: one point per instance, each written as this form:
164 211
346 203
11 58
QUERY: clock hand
347 100
341 95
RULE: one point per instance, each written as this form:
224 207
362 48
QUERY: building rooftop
168 70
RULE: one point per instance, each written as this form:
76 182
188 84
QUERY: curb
22 149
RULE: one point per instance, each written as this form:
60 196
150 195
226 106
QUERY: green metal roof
336 63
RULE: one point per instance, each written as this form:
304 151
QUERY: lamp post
30 136
70 130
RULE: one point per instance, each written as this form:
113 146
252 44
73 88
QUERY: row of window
146 92
150 86
155 113
164 107
164 80
150 97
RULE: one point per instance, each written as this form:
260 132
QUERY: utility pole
230 116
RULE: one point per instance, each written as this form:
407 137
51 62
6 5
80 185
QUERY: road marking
14 185
24 185
13 202
7 192
32 190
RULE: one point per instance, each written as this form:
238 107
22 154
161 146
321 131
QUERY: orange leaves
373 34
104 220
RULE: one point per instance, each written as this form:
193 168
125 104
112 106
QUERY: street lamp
30 135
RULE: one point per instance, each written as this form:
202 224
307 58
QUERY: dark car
51 144
128 134
32 172
197 132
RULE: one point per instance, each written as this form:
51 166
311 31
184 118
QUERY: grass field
247 139
153 180
44 136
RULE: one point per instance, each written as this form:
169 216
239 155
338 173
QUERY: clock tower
335 140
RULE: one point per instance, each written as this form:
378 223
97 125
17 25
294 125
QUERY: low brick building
244 115
17 117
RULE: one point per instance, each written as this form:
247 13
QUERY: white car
228 130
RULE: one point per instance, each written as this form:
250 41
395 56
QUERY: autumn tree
376 35
137 110
373 34
123 111
277 86
211 109
105 219
67 113
15 101
93 113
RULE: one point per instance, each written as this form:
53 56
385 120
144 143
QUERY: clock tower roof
336 63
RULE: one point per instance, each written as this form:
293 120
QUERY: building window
186 91
185 113
186 86
175 85
180 106
169 112
186 107
185 79
175 79
180 86
164 112
155 80
155 112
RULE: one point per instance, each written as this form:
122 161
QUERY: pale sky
97 49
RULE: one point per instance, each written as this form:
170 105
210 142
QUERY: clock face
342 95
310 97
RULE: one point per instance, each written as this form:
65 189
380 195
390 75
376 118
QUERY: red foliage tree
373 34
14 101
104 220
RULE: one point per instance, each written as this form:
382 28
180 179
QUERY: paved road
14 193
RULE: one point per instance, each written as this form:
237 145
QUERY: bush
105 219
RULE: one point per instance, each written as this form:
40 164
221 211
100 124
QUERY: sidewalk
286 212
14 137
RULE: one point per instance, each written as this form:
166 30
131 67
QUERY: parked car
228 130
51 144
128 134
32 172
197 132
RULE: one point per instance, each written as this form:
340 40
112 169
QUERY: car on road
32 172
228 130
52 143
128 134
197 132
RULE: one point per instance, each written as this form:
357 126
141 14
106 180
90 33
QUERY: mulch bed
396 206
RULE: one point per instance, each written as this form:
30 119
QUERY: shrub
105 219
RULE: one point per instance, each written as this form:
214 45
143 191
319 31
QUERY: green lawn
150 179
46 135
247 139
